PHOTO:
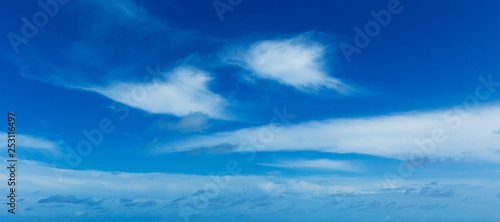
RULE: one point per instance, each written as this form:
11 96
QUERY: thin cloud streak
319 164
434 134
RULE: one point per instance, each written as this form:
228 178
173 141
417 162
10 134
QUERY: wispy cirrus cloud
94 59
318 164
298 62
119 192
432 134
60 184
32 142
183 92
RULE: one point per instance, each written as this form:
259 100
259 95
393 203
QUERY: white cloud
107 189
465 135
102 184
297 62
33 142
323 164
184 92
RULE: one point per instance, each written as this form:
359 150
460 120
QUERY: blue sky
253 110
